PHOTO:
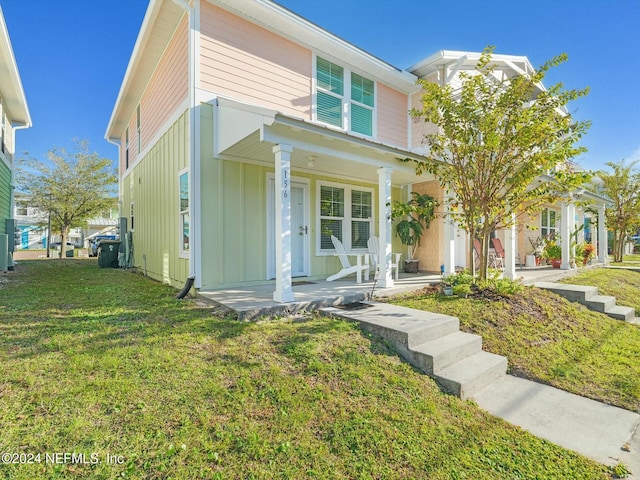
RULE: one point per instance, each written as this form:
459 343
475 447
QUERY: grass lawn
551 340
105 362
622 284
629 260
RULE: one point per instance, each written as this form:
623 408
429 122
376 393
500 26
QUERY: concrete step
589 297
433 356
619 312
600 303
470 375
404 327
573 293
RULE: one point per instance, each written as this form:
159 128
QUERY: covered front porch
320 183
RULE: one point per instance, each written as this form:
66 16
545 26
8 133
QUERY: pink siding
248 63
168 87
392 116
418 126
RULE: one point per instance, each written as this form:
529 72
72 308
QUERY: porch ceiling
317 150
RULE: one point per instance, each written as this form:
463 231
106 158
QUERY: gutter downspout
193 13
118 144
12 198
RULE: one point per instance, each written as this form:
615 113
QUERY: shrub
460 278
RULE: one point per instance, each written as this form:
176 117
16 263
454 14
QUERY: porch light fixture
311 161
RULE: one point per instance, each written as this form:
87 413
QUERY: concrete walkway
591 428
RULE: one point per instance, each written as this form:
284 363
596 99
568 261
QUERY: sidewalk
591 428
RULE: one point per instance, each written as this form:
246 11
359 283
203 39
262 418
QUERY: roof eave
12 91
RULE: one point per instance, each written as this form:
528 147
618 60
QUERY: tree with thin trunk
622 187
502 146
71 187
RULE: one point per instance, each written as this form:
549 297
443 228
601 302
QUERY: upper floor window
126 148
344 98
138 128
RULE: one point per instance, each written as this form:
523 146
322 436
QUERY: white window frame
346 220
131 216
549 229
181 215
345 98
138 128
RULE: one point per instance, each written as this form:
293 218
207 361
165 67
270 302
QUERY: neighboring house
444 67
14 115
31 226
248 136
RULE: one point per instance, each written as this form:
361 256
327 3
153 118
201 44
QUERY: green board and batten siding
234 212
153 187
234 223
5 195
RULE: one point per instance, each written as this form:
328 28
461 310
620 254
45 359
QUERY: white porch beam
283 292
510 236
565 235
384 226
603 241
453 69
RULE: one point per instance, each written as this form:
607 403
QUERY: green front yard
107 363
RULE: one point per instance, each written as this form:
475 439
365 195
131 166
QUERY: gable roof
11 89
457 60
163 16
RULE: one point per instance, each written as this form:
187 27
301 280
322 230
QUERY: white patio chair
347 268
374 251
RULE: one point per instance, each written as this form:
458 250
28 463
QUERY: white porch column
283 292
603 241
449 228
565 235
572 229
594 236
580 214
510 250
384 226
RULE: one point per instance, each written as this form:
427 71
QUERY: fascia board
11 90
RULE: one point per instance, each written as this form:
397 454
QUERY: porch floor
252 302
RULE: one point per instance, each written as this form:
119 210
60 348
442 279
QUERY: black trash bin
108 253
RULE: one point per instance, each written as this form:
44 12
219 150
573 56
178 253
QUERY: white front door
300 233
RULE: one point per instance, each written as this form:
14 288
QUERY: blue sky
72 55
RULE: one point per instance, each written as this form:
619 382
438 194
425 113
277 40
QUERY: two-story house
14 115
249 136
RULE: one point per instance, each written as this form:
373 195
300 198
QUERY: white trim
300 182
345 98
184 253
346 219
178 112
131 216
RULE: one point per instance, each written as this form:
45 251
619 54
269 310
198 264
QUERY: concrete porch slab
253 302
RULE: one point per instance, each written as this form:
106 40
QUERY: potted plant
553 252
416 215
585 251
